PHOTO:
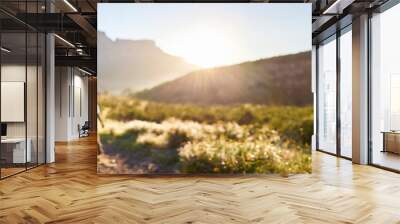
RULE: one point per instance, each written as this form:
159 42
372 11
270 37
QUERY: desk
16 153
391 141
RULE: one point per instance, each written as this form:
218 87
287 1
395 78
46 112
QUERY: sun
206 47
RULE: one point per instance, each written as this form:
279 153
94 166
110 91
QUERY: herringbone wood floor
70 191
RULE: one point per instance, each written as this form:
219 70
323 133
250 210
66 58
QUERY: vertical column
50 98
50 91
360 90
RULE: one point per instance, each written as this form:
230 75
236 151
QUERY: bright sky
212 34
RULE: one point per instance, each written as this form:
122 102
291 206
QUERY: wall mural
204 88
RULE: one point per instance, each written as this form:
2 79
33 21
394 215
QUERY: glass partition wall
334 93
22 98
385 89
345 90
13 85
327 96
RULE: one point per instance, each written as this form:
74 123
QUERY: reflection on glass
41 99
14 153
22 92
346 94
31 100
327 97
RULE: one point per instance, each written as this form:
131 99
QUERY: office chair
84 130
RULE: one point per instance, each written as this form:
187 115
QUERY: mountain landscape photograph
209 93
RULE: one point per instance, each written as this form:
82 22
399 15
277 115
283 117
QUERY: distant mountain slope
135 64
282 80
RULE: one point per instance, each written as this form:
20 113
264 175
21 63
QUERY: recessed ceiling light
5 50
84 71
70 5
337 7
64 40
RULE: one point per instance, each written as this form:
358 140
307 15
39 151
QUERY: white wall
33 127
80 103
62 82
71 94
12 73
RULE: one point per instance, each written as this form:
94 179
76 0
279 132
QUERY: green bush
192 147
292 123
223 156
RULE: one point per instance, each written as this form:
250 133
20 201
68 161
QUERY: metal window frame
386 6
381 9
333 37
44 75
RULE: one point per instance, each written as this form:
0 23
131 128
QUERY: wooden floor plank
70 191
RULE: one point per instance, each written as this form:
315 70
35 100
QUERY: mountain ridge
279 80
136 64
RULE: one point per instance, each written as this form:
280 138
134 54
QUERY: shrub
292 123
192 147
242 157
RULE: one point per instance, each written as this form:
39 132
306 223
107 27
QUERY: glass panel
31 87
13 86
346 94
41 98
385 84
327 97
31 98
23 90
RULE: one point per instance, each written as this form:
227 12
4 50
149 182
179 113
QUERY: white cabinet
19 155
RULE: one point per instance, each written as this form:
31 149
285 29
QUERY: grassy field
150 137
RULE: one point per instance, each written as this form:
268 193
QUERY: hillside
282 80
118 59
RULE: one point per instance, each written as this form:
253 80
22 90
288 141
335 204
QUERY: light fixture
80 51
337 7
64 40
70 5
5 50
84 71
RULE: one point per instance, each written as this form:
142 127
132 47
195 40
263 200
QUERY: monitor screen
3 129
